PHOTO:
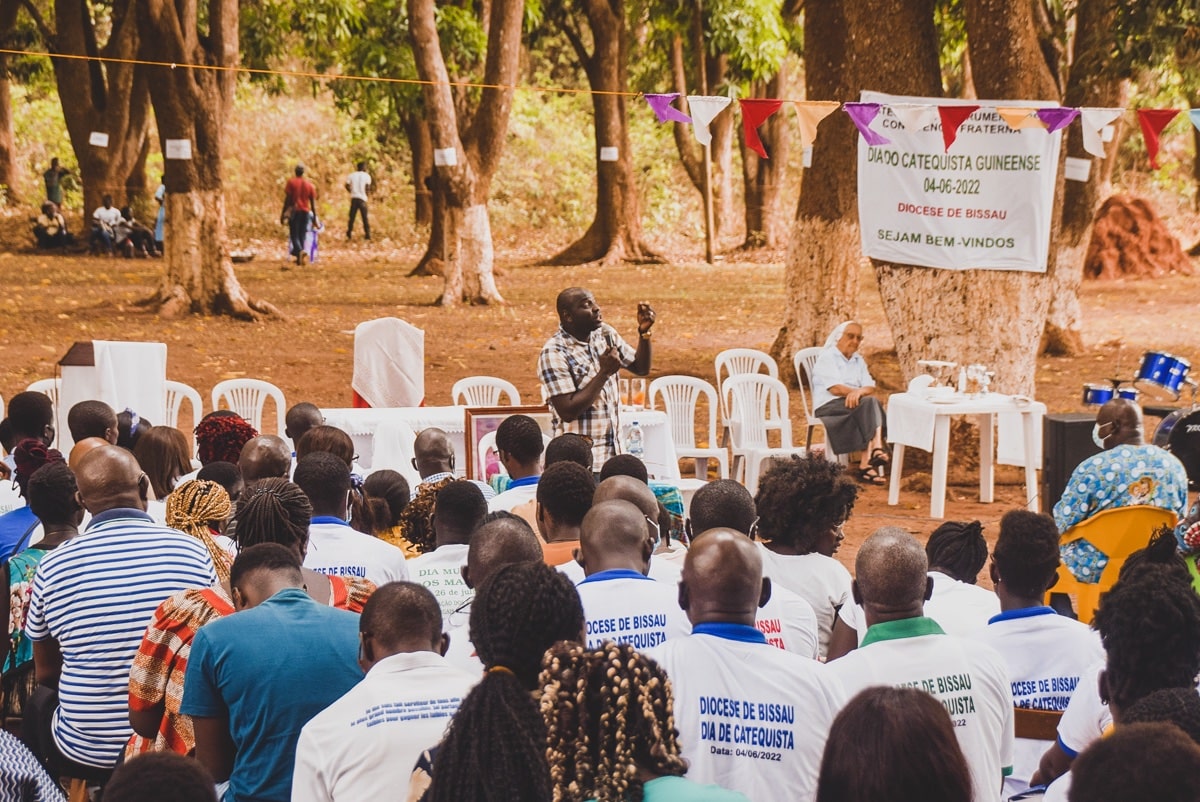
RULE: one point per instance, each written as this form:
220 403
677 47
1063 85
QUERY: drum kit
1161 376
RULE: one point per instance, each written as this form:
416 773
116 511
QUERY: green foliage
751 33
463 39
951 21
1148 33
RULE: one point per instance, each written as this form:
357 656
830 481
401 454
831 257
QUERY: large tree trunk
112 98
615 234
421 145
192 104
10 168
1086 86
763 178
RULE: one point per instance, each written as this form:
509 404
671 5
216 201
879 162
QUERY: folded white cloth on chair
389 363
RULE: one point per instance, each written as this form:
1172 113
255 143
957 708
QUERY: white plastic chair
483 391
680 395
177 393
736 362
49 387
247 397
757 404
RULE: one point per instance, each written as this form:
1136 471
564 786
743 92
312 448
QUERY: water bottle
635 442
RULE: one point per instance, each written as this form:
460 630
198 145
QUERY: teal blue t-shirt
270 669
681 789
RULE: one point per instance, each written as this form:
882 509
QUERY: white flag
704 109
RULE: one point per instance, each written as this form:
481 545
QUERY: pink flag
755 112
1058 118
862 115
1152 122
952 118
664 111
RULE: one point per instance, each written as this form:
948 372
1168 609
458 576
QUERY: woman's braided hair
608 713
191 507
495 747
958 549
273 511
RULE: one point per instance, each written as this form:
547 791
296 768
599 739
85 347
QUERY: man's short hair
520 437
29 413
399 611
1026 552
722 503
161 775
625 465
90 419
460 506
890 569
324 478
226 474
569 447
501 539
271 557
565 491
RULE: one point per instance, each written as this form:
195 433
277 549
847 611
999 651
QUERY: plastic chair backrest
247 397
806 359
756 404
49 387
680 396
1118 533
483 391
737 361
177 393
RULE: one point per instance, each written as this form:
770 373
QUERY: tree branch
576 39
48 36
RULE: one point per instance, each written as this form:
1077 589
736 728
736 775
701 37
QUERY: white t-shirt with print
967 677
627 607
821 581
335 548
789 623
440 571
751 717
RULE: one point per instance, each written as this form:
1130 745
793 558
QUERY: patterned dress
17 687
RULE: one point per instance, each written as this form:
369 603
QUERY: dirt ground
50 301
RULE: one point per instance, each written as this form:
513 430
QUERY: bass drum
1179 433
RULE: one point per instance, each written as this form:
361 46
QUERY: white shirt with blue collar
336 548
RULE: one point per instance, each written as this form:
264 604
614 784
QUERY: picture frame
482 421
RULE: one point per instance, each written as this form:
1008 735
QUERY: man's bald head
433 452
500 541
567 298
891 578
722 579
627 488
110 477
614 536
84 446
1120 423
265 457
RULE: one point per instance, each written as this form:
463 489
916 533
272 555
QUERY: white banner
985 203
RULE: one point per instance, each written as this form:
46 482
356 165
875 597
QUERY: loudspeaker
1066 442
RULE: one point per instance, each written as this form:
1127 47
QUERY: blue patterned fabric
1085 561
1124 476
22 778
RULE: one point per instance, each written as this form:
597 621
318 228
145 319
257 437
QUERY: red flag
952 118
1152 122
755 112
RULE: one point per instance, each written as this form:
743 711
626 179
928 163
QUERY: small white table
916 421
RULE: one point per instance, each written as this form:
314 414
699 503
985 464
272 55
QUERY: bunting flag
1093 121
664 111
1194 114
952 118
704 109
862 115
809 113
915 116
755 112
1020 117
1152 122
1057 118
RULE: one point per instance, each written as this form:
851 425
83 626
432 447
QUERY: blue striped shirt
95 594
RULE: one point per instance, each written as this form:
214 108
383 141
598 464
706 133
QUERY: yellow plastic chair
1117 533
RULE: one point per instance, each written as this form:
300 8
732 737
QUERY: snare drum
1162 371
1097 394
1179 433
1128 393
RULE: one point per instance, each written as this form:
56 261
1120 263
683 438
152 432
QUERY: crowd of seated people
270 627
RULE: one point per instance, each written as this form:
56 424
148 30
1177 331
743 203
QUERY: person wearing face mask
1128 472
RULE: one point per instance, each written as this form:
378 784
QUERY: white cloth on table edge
918 426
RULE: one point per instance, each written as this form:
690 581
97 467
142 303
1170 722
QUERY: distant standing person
299 207
358 184
160 195
53 178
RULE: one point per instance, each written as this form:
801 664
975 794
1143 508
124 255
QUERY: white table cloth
914 420
383 438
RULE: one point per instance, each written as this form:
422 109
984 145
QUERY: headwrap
836 334
219 438
29 455
191 507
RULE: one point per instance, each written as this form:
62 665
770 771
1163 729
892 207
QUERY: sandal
872 475
880 458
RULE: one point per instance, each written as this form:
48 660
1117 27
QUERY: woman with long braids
199 508
269 511
611 733
495 747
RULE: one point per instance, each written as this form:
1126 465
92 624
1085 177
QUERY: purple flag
862 114
1057 119
664 111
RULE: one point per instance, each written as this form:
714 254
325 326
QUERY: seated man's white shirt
364 745
335 548
967 677
110 216
513 497
789 623
1046 655
627 607
667 571
440 570
959 608
833 368
1086 717
751 717
821 581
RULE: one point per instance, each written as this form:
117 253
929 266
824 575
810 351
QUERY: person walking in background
357 184
299 206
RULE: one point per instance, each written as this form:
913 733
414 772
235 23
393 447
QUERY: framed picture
481 423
